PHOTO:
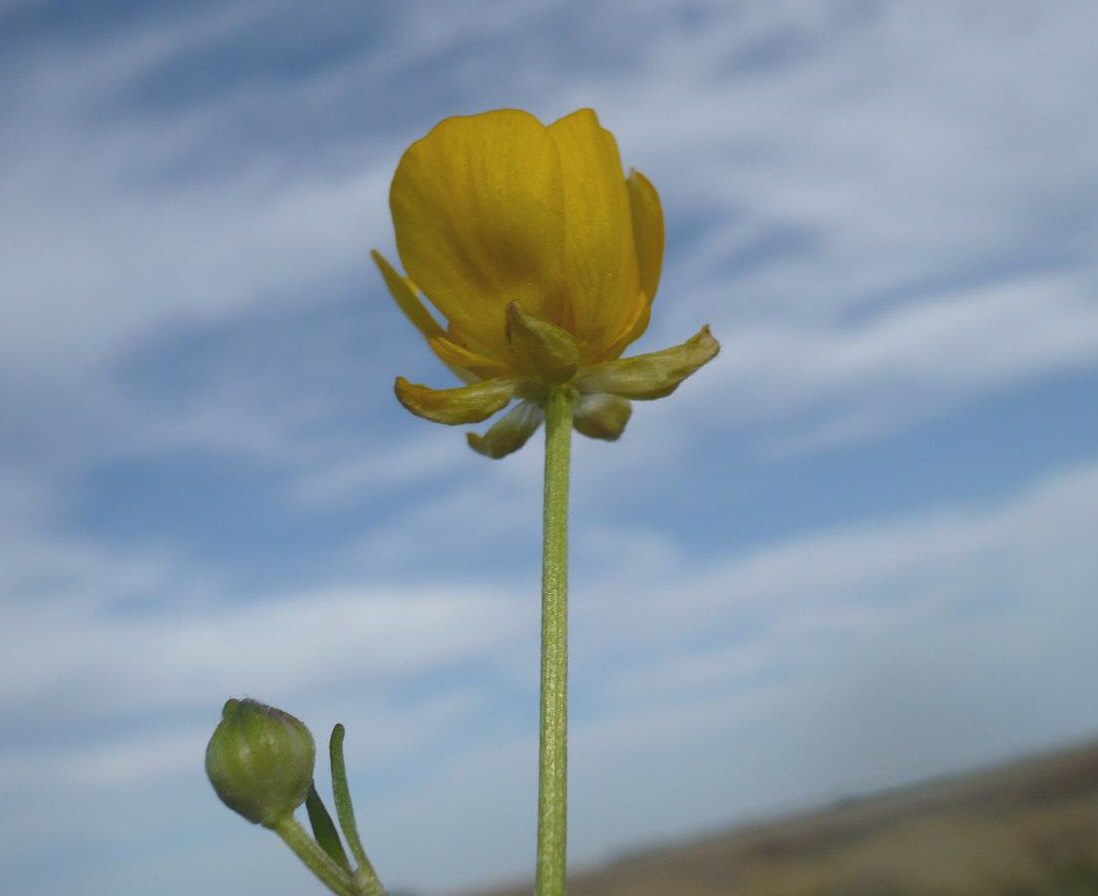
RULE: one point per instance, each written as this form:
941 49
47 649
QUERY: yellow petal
653 375
510 433
405 296
543 351
467 404
644 203
479 217
647 214
601 416
633 329
600 259
470 366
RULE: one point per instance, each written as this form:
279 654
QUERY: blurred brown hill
1025 829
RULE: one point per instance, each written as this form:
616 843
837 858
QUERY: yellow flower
543 260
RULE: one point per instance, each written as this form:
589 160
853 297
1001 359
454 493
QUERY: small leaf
324 829
344 810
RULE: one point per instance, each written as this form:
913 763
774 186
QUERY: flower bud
260 761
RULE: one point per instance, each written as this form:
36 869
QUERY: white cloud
430 457
86 663
825 382
119 224
931 562
104 270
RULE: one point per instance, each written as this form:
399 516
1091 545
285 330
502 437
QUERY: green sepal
649 376
466 404
545 352
510 432
601 416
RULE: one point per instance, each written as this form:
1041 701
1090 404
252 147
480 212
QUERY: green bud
260 761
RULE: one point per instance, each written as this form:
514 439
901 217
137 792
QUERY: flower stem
553 745
334 877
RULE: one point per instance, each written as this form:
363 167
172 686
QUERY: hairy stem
553 741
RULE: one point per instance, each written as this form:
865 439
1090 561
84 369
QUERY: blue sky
855 550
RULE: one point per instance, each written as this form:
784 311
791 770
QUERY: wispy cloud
891 368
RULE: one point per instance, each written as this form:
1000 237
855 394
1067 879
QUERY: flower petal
466 404
652 375
601 416
600 259
467 364
644 203
407 299
633 329
479 217
511 431
542 350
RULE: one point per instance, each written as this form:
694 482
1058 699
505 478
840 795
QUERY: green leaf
324 829
345 812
